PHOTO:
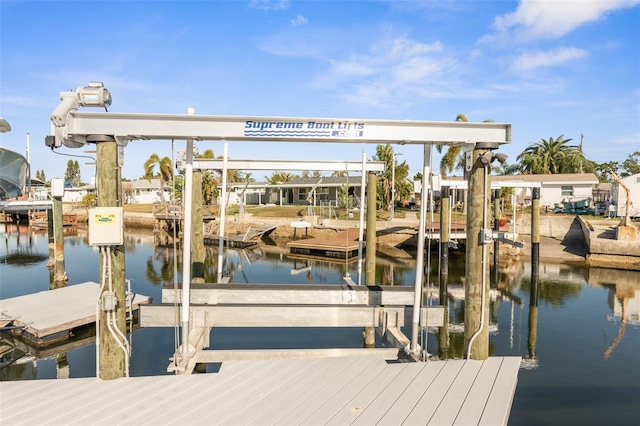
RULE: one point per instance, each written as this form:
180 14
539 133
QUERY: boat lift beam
77 127
74 129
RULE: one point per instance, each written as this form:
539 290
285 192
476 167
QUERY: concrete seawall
563 238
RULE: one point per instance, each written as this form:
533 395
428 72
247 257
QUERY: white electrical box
57 187
106 227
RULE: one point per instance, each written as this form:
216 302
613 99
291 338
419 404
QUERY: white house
554 189
143 191
75 195
619 196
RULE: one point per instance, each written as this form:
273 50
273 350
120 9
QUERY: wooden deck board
319 391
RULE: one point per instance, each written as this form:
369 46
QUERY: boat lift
73 128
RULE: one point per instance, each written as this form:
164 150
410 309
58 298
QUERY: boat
13 173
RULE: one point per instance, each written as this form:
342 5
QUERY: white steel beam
134 126
350 166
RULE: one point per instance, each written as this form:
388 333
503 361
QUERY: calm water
582 351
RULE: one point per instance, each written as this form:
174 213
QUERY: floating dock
337 390
51 316
343 245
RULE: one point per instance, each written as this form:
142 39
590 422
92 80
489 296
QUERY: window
567 190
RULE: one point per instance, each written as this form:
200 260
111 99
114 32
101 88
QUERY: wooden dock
51 316
343 245
320 391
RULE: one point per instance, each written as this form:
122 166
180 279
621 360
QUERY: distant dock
343 245
50 316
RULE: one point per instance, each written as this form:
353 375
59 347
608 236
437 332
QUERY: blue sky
556 68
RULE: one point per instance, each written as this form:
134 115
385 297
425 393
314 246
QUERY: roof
146 184
586 178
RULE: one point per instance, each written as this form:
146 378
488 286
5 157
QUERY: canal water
580 345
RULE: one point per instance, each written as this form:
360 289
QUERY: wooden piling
52 245
370 253
535 231
445 221
59 275
197 235
111 356
476 333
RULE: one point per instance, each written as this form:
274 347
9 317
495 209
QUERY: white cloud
299 20
392 68
535 19
270 4
532 60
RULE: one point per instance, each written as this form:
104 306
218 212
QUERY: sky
549 68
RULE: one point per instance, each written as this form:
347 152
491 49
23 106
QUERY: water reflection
576 326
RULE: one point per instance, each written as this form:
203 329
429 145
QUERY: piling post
535 231
111 356
496 227
370 252
476 311
445 222
52 244
60 275
197 237
533 316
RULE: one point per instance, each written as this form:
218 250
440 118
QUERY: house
619 196
76 194
301 191
554 189
145 191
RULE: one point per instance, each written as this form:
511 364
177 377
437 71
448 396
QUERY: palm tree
386 183
547 157
165 172
452 159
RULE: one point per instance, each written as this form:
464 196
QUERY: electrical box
106 227
486 236
57 187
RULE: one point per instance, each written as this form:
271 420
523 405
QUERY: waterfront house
145 191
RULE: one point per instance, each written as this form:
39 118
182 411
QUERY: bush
89 200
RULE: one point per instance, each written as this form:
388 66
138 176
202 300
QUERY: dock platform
318 391
50 316
343 245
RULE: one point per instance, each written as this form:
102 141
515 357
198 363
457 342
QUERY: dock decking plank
276 375
364 396
319 391
456 395
284 406
479 392
285 392
389 395
306 407
504 388
428 403
404 404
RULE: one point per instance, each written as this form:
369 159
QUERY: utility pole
370 253
111 356
476 311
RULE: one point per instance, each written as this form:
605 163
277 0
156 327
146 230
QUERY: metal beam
164 315
134 126
285 294
264 354
349 166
